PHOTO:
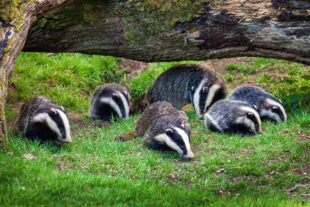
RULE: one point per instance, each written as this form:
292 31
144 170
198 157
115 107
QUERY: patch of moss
11 11
151 17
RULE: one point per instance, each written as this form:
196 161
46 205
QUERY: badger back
151 114
265 103
173 85
110 100
189 83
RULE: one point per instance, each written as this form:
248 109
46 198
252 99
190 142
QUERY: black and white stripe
233 117
268 107
204 96
56 121
176 139
110 100
41 118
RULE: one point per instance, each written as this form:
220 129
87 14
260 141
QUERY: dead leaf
29 156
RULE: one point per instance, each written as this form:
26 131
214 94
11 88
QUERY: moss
151 17
11 11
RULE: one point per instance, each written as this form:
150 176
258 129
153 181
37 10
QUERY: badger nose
260 132
189 155
67 140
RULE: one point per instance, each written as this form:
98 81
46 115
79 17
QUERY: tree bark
153 30
176 30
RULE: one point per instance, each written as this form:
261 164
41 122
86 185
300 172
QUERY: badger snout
189 155
68 139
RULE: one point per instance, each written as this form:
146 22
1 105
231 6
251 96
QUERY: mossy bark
177 30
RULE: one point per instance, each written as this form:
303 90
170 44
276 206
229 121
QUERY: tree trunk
153 30
177 29
16 17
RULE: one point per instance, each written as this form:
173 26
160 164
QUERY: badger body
164 128
233 117
42 119
268 107
109 100
188 83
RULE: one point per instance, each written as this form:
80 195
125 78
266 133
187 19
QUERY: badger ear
169 131
254 106
192 88
205 89
280 101
183 125
52 112
62 108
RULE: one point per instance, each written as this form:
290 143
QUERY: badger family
161 125
42 119
188 83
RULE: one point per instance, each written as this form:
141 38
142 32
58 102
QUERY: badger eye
250 115
205 89
169 131
275 109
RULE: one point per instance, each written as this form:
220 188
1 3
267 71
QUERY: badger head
246 121
52 123
205 94
119 102
273 110
177 139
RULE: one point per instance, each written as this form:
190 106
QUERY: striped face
273 110
176 139
57 121
205 95
247 122
119 103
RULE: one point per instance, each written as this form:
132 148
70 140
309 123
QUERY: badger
188 83
109 100
268 107
164 128
42 119
233 117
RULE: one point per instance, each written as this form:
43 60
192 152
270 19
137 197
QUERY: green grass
68 78
97 170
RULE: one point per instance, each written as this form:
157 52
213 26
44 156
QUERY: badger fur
164 128
233 117
41 118
188 83
110 100
268 107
